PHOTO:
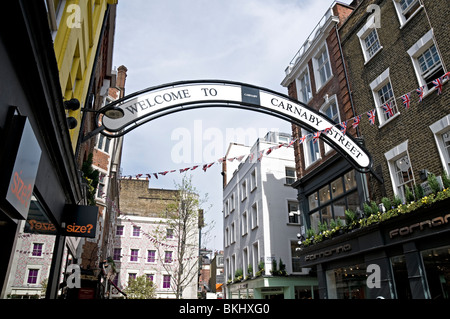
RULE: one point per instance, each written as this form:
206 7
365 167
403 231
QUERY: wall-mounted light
72 122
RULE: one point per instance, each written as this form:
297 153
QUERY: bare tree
181 223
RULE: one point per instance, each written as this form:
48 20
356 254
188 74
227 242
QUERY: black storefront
404 257
38 165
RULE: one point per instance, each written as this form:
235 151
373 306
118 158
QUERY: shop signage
141 107
425 224
80 221
329 252
19 168
37 221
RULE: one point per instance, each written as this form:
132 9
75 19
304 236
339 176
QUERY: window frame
323 50
392 156
417 50
439 128
304 74
307 146
375 86
325 106
363 33
400 12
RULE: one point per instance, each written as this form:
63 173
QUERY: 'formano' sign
146 105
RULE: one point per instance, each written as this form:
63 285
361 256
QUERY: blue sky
164 41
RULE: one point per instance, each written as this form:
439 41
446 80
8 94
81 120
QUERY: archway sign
146 105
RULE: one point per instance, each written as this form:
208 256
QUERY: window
169 233
244 190
330 109
150 277
383 94
426 61
254 216
253 180
437 269
119 230
151 256
232 203
304 86
368 38
101 185
166 281
293 212
131 276
227 237
136 231
322 68
311 150
441 131
37 250
296 260
403 173
103 143
331 200
233 234
32 276
400 169
406 9
244 226
290 175
116 254
167 257
134 254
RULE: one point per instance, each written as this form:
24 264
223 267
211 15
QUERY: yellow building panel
75 46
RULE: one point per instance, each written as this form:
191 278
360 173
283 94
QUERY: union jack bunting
156 175
206 166
438 85
406 100
356 121
316 136
343 127
164 173
446 76
420 93
260 155
292 142
302 139
371 115
182 170
388 109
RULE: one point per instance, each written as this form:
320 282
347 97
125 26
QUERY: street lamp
111 112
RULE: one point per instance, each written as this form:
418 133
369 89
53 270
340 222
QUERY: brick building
398 248
145 243
327 184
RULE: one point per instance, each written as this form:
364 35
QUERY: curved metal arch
151 103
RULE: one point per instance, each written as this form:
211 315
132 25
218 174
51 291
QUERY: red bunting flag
406 100
438 85
371 116
419 92
316 136
356 121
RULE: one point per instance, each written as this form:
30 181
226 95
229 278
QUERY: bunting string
387 108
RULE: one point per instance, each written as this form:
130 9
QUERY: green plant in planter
408 194
260 268
282 268
397 201
322 227
350 216
249 271
445 179
274 270
418 190
238 275
434 184
310 233
386 203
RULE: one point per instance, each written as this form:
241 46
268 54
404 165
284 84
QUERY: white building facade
261 222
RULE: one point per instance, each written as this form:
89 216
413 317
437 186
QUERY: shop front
405 257
39 176
274 287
